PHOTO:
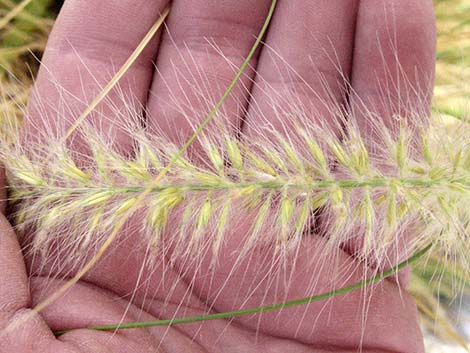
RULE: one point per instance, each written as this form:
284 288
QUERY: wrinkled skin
99 36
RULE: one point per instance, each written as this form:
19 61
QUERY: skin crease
89 40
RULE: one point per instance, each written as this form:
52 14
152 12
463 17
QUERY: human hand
88 41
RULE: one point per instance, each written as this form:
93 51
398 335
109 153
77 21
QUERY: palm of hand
97 32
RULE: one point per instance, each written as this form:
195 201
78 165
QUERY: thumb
14 287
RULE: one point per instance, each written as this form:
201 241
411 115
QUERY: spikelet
414 178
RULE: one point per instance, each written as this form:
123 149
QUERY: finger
392 80
14 284
89 43
394 61
84 306
307 63
14 288
206 43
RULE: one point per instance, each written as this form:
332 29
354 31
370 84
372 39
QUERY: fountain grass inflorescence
411 178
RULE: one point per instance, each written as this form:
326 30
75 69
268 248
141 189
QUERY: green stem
230 314
321 184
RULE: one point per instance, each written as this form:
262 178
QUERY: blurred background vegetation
437 284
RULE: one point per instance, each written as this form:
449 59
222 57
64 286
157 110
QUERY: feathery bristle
371 192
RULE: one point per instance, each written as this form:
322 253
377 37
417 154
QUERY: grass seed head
284 181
